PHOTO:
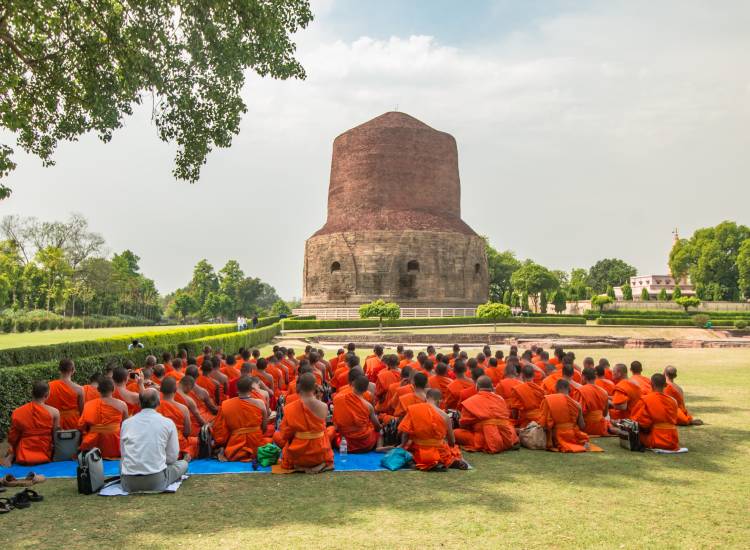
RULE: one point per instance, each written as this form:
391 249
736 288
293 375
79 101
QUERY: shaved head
484 383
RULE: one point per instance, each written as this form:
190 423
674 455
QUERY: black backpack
205 442
90 472
391 436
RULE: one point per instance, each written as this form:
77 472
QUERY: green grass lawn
525 499
41 338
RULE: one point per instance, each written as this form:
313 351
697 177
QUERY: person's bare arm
81 399
581 422
450 436
374 417
186 423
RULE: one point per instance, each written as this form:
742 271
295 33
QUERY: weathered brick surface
395 198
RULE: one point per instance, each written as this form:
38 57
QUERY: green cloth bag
268 455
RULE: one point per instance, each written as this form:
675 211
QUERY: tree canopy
74 67
609 272
532 278
501 266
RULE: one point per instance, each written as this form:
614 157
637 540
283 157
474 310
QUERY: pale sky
585 130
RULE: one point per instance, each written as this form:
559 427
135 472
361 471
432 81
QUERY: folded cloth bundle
268 454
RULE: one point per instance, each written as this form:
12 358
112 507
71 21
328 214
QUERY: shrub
380 309
677 293
33 325
663 296
493 311
649 322
601 301
295 324
232 341
7 324
740 324
700 320
77 323
688 302
627 292
645 296
22 325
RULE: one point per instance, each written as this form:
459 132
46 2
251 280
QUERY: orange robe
100 427
404 402
340 377
625 392
385 379
302 435
90 393
207 415
454 392
351 416
64 399
427 430
465 394
230 372
550 382
485 424
30 434
195 426
174 413
132 409
278 377
643 382
505 387
656 415
527 398
211 386
440 383
683 417
608 385
593 401
560 419
237 429
494 374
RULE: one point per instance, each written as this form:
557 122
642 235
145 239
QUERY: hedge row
296 324
667 314
657 322
15 383
86 348
9 324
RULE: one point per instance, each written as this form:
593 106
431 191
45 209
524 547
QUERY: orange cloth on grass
303 439
427 430
100 427
64 399
30 434
237 428
485 424
351 416
560 419
656 415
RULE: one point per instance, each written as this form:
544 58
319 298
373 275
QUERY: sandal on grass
20 500
33 496
10 481
5 505
35 478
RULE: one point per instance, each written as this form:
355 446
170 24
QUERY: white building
654 285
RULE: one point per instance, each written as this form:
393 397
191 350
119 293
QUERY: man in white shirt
149 449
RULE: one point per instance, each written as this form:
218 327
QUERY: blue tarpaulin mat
367 462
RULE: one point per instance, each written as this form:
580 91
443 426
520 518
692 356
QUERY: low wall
581 306
406 312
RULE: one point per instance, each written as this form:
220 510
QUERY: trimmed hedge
86 348
667 314
688 322
296 324
23 323
15 383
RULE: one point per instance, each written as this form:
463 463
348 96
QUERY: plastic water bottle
343 449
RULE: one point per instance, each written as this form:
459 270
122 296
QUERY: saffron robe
237 428
30 434
188 444
505 386
211 386
90 393
549 383
656 415
132 408
527 398
593 401
303 439
100 427
608 385
404 402
485 424
427 430
683 417
440 383
560 420
64 399
454 392
628 392
385 379
351 416
643 382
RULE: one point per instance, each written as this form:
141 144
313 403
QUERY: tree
507 297
56 271
627 292
280 307
531 279
577 288
711 257
72 69
501 266
600 301
743 269
183 304
611 292
645 296
677 293
543 302
204 282
560 301
663 296
494 311
609 272
688 302
380 309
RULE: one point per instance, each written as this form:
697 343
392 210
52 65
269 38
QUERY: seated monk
675 391
604 362
100 422
562 419
180 415
374 364
602 381
395 390
229 368
354 373
219 377
408 361
427 433
206 405
241 424
32 427
418 394
626 395
492 371
458 385
636 370
390 375
440 380
176 371
567 373
354 418
476 373
485 424
120 376
510 378
91 390
302 434
261 374
549 383
526 399
66 396
275 369
341 376
245 370
206 382
594 404
184 387
656 414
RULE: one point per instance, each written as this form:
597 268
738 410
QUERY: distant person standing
239 323
135 344
255 320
